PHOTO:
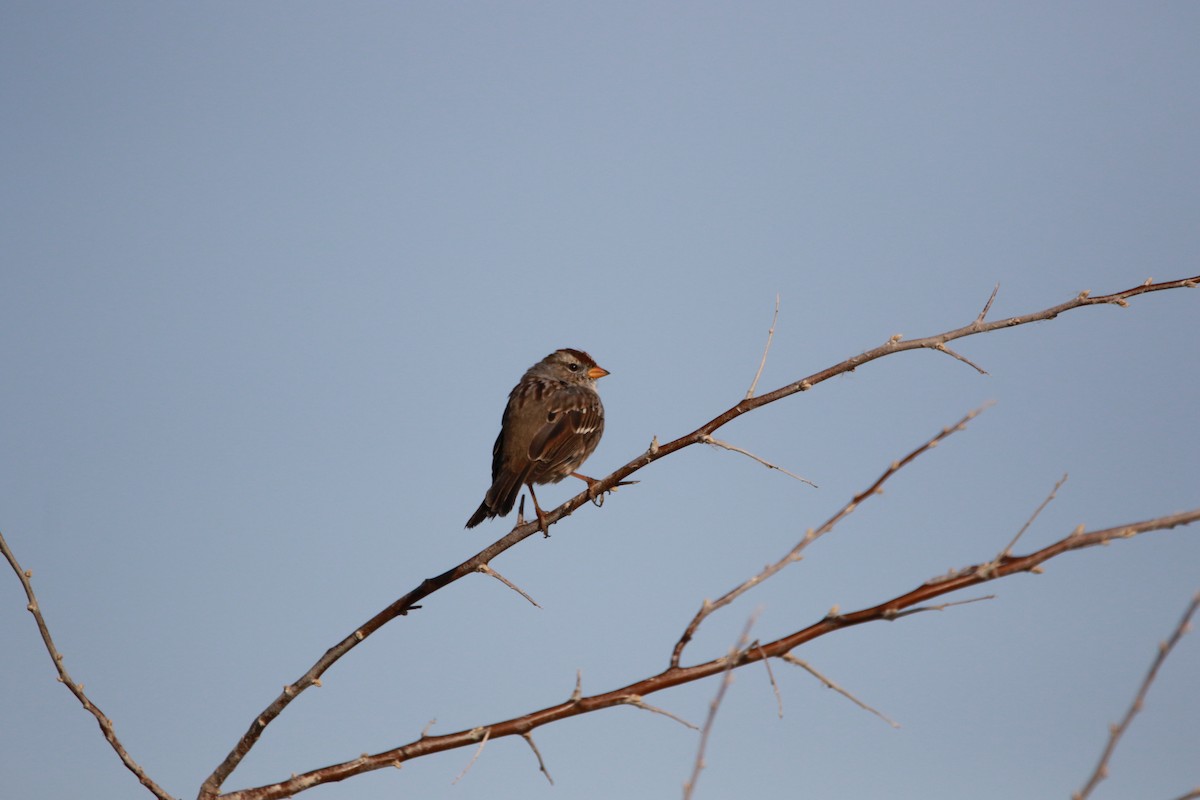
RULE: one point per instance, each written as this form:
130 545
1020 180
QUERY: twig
528 737
734 448
941 347
774 685
1116 731
1049 498
487 569
478 751
637 701
793 555
799 662
767 349
941 606
689 786
988 305
106 726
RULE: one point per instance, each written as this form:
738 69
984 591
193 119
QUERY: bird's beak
596 373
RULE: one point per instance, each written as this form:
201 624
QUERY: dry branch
674 676
689 786
793 555
1116 731
106 726
811 670
657 451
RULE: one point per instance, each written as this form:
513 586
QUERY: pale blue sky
270 270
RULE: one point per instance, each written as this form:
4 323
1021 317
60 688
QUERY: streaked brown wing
568 435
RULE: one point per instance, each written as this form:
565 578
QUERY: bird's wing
562 438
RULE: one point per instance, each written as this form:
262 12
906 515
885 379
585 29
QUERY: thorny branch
1116 731
673 675
793 555
689 786
106 726
633 693
405 603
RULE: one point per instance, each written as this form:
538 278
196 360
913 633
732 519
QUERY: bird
552 423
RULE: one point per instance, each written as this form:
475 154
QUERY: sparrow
552 423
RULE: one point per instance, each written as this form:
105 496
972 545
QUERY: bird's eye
573 367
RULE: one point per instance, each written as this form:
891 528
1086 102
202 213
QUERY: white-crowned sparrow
552 423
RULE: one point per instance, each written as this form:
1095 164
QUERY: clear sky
270 269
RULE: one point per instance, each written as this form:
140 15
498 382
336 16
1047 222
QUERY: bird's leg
541 515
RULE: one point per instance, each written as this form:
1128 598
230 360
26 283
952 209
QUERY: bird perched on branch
553 422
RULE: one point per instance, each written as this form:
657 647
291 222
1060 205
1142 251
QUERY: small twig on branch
714 705
1049 498
708 607
735 449
988 305
774 686
941 606
486 569
106 726
943 349
799 662
478 751
637 701
767 349
528 737
1116 731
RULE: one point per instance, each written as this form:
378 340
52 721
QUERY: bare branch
523 530
689 785
810 536
486 569
799 662
1116 731
106 726
767 349
734 448
633 693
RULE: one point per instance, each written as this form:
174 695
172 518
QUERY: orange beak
596 373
